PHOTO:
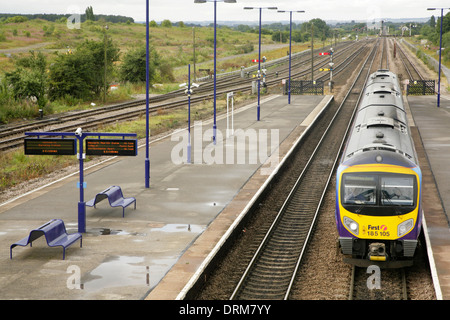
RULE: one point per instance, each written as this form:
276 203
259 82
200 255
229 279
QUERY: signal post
331 64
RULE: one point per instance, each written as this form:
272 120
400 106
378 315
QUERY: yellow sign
324 69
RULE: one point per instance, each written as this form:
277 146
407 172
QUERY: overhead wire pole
215 72
259 56
440 55
290 48
312 51
215 57
147 125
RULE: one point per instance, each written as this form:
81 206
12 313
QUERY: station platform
152 252
430 128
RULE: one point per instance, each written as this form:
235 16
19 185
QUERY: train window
378 194
360 189
397 190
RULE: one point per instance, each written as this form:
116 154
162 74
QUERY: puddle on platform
117 271
121 271
154 227
179 228
108 231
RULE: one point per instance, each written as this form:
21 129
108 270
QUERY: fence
421 87
304 87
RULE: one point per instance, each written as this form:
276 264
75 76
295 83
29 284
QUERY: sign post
189 91
67 146
230 95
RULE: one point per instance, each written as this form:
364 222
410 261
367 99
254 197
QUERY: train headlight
351 225
405 227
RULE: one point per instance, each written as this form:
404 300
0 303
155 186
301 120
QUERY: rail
12 136
271 272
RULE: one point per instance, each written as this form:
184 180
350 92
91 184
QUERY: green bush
16 19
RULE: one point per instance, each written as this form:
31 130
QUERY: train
378 181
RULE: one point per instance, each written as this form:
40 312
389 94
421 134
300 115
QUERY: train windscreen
378 193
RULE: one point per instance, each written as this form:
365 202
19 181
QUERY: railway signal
329 53
262 60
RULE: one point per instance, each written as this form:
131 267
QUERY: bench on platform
115 198
55 234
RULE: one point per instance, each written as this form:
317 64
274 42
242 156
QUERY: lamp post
440 53
290 48
215 55
259 57
105 38
147 156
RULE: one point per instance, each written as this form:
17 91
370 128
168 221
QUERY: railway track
384 61
12 136
272 271
374 283
411 69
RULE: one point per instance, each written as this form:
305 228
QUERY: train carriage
378 181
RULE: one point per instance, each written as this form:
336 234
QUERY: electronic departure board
55 147
111 147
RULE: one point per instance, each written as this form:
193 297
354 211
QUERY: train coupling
377 251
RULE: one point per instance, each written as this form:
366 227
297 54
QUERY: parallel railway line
376 284
279 252
411 69
12 136
272 271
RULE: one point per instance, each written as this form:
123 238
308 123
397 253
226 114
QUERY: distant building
374 25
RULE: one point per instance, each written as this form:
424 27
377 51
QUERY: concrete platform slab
125 258
431 131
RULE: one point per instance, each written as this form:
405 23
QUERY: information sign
48 146
111 147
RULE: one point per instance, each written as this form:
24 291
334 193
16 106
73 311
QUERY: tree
81 74
69 76
166 24
90 14
133 66
280 35
30 79
433 22
320 28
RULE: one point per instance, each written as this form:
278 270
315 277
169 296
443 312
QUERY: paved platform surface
125 258
431 125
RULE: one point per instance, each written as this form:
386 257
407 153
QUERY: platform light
259 63
290 47
215 57
440 54
147 96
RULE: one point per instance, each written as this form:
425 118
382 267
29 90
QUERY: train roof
380 122
382 76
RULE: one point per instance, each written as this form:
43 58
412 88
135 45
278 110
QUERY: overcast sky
186 10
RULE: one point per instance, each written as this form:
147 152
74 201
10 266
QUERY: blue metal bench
115 198
55 234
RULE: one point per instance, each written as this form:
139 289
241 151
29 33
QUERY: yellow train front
378 181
